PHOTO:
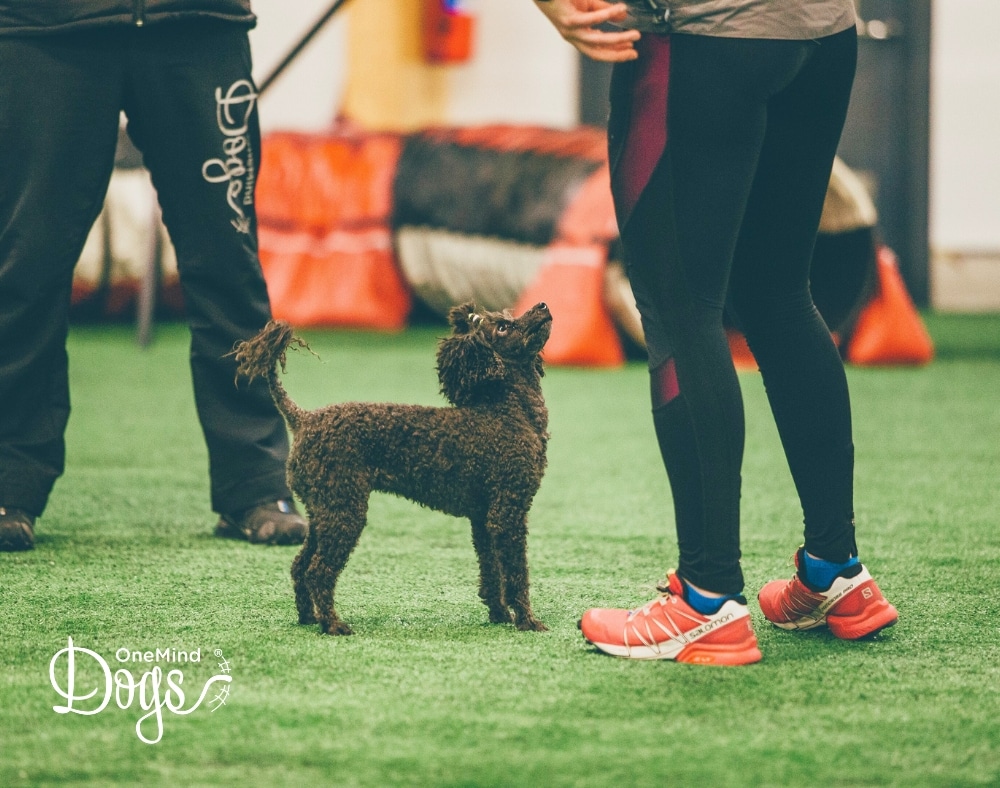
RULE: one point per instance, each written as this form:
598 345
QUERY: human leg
801 367
679 237
802 370
56 156
679 244
192 112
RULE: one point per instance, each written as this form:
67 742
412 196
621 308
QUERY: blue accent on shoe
706 605
820 573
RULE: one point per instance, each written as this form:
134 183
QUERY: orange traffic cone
571 282
742 356
889 329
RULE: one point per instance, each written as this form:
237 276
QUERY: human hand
577 21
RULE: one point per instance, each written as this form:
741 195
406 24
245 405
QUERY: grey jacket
788 19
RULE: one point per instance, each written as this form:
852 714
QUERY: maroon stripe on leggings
647 131
664 383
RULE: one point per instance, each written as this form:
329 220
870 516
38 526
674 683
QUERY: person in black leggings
721 145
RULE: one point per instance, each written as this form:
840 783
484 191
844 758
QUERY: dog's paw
500 617
531 624
307 618
337 628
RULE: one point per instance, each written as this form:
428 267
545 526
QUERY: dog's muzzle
539 313
538 321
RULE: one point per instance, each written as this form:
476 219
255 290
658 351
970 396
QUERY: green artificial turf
426 692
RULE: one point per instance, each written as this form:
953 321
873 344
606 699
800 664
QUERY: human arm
578 22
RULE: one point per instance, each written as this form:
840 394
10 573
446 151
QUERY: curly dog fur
482 458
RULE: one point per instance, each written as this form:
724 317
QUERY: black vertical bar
916 270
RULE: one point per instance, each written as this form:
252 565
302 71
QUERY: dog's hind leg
303 600
510 532
491 589
336 537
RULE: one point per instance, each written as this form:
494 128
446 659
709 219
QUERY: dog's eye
503 327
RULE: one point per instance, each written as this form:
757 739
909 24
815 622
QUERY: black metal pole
294 52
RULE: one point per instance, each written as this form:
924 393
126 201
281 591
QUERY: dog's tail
260 357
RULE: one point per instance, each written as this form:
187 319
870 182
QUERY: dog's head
488 352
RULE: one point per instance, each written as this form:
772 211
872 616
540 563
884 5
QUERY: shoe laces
796 600
663 591
670 625
663 586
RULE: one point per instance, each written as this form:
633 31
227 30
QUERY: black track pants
721 153
187 91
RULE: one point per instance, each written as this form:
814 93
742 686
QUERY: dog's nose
542 305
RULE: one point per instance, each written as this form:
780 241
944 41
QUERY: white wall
965 126
965 157
522 72
306 95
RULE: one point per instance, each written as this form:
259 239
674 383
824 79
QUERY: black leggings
719 204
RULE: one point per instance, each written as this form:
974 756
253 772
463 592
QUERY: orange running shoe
669 628
852 607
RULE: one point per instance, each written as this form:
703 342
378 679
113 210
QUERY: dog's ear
463 318
468 369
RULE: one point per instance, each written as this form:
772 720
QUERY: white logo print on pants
233 111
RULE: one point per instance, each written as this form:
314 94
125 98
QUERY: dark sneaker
17 530
266 523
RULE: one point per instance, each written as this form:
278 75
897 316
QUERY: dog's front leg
510 533
491 589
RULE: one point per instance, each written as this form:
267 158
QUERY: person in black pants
725 121
180 70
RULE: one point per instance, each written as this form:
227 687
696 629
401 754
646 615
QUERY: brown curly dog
483 458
